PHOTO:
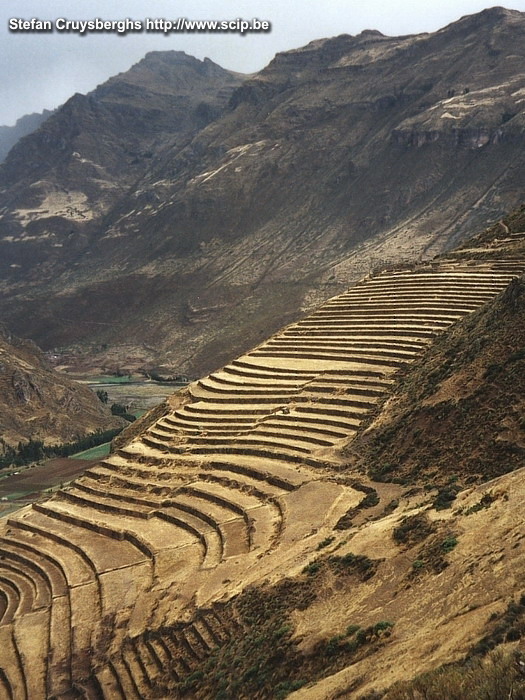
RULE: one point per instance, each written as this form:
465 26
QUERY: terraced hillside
117 586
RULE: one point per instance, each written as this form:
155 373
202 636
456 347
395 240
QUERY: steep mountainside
36 402
59 182
458 414
9 135
230 550
334 158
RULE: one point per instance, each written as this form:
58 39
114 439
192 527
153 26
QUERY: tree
117 409
103 395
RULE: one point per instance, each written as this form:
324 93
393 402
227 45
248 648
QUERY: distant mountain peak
370 33
499 12
490 17
9 135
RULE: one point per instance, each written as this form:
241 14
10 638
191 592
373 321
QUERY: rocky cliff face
36 402
337 157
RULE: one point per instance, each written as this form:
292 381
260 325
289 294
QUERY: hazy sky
42 70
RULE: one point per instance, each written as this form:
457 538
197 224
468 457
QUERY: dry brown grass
497 677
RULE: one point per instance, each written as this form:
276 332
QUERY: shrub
361 635
118 409
286 687
358 564
390 507
381 473
508 626
495 679
449 543
312 568
414 528
485 501
103 395
445 497
371 499
382 626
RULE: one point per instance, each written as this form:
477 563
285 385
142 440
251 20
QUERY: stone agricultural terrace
118 580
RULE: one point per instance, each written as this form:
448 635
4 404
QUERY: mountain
9 135
88 154
181 204
38 403
234 546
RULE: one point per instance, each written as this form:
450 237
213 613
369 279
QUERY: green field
104 379
94 452
18 494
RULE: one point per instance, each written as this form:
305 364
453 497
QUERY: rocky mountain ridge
72 170
10 135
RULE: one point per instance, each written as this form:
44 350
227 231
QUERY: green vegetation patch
432 557
413 529
355 637
359 564
261 659
312 568
484 502
509 626
35 450
382 472
445 496
449 543
347 564
487 672
371 499
118 409
105 379
98 452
